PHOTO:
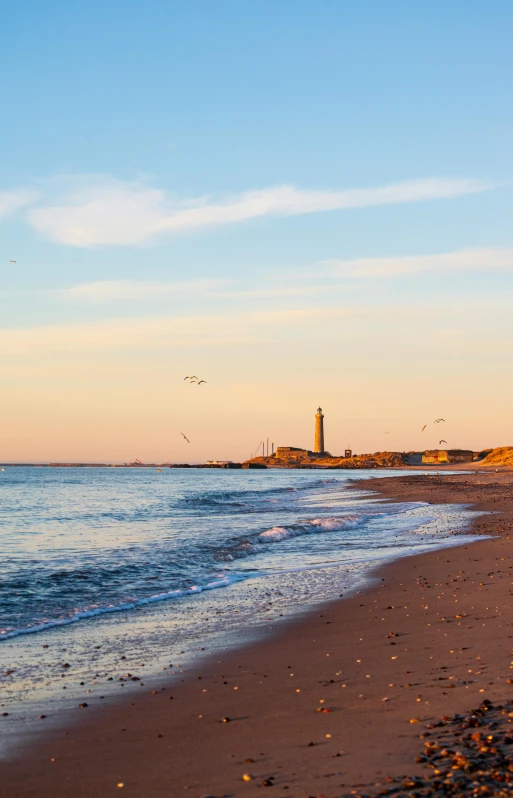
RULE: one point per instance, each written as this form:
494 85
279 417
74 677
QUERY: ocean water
108 570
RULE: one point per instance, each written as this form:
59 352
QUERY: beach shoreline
272 690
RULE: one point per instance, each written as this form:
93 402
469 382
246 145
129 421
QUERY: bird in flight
185 436
424 427
190 378
438 420
442 441
199 383
12 261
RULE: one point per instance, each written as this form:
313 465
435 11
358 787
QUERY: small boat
159 471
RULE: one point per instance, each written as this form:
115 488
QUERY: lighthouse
319 432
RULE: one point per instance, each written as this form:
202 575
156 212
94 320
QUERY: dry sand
450 614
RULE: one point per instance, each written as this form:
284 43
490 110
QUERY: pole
267 448
263 449
272 448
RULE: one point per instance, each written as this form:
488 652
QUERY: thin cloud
155 333
234 329
102 210
11 201
110 291
130 290
485 260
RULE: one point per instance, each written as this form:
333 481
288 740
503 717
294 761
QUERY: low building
291 451
438 456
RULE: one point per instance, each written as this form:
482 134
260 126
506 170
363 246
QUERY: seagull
185 436
442 441
438 420
424 427
199 383
12 261
190 378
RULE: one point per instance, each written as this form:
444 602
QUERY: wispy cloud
485 260
111 291
101 210
329 275
11 201
130 290
143 334
239 328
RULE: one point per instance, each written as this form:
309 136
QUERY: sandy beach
335 704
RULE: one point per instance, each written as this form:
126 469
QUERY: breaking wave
277 534
223 581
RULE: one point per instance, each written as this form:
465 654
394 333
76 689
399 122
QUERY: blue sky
146 147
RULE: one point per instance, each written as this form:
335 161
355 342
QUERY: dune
502 456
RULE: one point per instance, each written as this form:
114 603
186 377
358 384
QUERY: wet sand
327 706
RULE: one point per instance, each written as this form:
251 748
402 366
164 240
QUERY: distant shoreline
234 466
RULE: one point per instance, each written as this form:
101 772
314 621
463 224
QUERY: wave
233 498
279 533
224 581
105 580
276 534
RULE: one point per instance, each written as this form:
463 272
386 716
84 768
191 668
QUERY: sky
305 203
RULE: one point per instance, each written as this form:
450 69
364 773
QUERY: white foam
307 527
224 581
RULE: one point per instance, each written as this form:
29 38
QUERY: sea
110 572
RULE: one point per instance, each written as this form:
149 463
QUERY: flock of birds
436 421
193 380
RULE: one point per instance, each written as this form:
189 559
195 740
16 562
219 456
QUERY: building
319 432
436 456
290 451
292 454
